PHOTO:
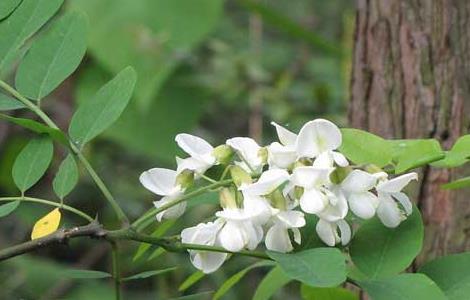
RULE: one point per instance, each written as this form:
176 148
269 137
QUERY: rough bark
411 79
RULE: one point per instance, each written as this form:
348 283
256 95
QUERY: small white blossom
329 234
249 152
201 153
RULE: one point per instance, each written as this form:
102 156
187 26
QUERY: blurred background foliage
210 67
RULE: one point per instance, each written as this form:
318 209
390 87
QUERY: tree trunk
411 79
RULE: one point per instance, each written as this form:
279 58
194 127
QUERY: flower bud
263 154
223 154
298 192
372 169
228 198
185 179
239 176
303 162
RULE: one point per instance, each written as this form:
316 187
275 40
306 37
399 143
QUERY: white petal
202 234
345 231
173 212
358 181
363 204
318 136
396 184
336 211
206 261
313 201
233 214
340 159
291 218
327 232
286 137
192 164
280 156
193 145
232 237
248 149
309 177
258 207
267 183
324 160
297 235
277 239
159 181
253 235
388 212
404 201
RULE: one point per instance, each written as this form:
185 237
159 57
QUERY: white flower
163 182
201 153
248 151
269 181
282 155
277 237
313 180
204 234
337 206
390 190
239 231
328 232
357 186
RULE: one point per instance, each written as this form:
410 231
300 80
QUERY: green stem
51 203
153 211
43 116
116 270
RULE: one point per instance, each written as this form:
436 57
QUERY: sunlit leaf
53 57
46 225
8 208
23 23
410 154
457 184
96 115
85 274
66 177
378 251
451 273
403 287
229 283
271 283
191 280
321 267
32 162
148 274
362 147
458 155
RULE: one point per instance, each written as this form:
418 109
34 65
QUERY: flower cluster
272 189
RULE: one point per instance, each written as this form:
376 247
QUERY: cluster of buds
272 189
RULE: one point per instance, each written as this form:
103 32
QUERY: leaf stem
51 203
98 181
153 211
116 269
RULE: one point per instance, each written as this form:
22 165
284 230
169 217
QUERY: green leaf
403 287
271 283
148 274
378 251
321 267
22 24
410 154
66 177
53 57
94 116
8 208
457 184
198 296
362 147
229 283
37 127
85 274
32 162
315 293
451 273
9 103
161 229
7 6
191 280
458 155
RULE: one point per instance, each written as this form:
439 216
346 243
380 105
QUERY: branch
94 230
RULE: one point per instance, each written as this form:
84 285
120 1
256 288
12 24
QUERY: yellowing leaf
46 225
